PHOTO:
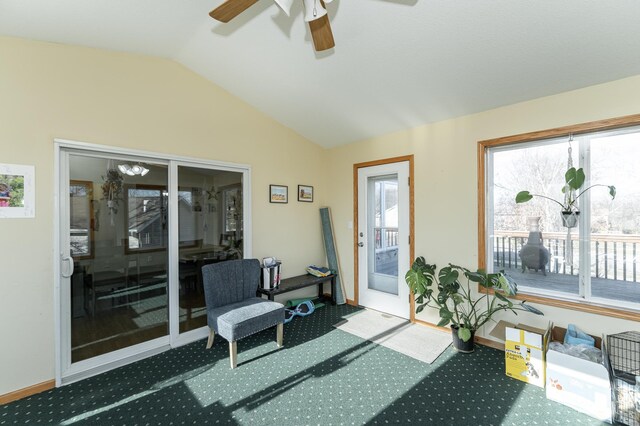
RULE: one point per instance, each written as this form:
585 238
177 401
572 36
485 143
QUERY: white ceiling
397 63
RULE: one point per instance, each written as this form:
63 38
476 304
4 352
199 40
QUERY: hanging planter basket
570 219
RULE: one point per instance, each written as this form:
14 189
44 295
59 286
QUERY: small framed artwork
305 193
278 194
17 191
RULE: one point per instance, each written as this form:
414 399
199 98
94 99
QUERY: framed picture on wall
278 194
305 193
17 191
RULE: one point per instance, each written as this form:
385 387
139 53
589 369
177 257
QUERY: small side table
301 281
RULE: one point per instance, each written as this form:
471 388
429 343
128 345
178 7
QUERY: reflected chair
233 310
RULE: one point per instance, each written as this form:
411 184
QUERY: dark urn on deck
534 255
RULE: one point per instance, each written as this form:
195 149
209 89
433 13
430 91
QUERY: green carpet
323 376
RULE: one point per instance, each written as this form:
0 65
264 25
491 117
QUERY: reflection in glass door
118 242
134 233
210 229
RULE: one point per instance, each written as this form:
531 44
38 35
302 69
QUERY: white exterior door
383 238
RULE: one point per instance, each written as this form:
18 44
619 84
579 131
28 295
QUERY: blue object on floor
302 310
305 308
575 336
288 315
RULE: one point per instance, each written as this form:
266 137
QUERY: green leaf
445 313
443 322
531 309
415 280
420 308
612 192
464 334
523 197
574 178
477 277
447 276
419 263
507 284
420 299
501 297
457 299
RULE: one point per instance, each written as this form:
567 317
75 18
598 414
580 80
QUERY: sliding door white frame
66 372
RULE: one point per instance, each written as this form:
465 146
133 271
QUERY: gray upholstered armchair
233 310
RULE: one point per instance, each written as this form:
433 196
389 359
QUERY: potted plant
112 190
574 179
455 301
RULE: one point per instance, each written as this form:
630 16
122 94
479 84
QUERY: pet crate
624 356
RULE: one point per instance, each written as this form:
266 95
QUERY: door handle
361 244
68 261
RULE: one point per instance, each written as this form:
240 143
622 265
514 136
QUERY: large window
593 264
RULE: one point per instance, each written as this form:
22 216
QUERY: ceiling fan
315 15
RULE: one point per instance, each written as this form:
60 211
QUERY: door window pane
383 233
81 218
118 295
210 230
146 223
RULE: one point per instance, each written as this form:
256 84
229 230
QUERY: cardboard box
578 383
524 349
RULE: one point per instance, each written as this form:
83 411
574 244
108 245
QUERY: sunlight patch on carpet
417 341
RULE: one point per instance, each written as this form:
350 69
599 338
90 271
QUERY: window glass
596 260
615 227
147 217
80 218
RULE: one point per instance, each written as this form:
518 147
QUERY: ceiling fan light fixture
285 5
313 10
135 170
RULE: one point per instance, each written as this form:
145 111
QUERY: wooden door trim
356 167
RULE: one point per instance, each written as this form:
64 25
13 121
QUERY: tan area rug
417 341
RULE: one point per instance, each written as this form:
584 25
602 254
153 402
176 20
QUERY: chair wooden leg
212 335
233 354
279 334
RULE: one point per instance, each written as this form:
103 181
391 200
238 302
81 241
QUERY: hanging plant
112 190
574 179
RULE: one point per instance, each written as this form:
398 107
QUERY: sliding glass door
118 243
209 229
134 234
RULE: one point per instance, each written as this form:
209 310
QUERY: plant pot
460 345
570 219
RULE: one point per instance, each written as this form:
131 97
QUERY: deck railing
385 237
613 256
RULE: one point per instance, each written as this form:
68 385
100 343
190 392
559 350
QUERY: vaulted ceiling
397 63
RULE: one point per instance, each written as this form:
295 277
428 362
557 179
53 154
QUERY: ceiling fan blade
230 9
321 33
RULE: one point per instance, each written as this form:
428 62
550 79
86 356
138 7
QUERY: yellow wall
52 91
445 179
